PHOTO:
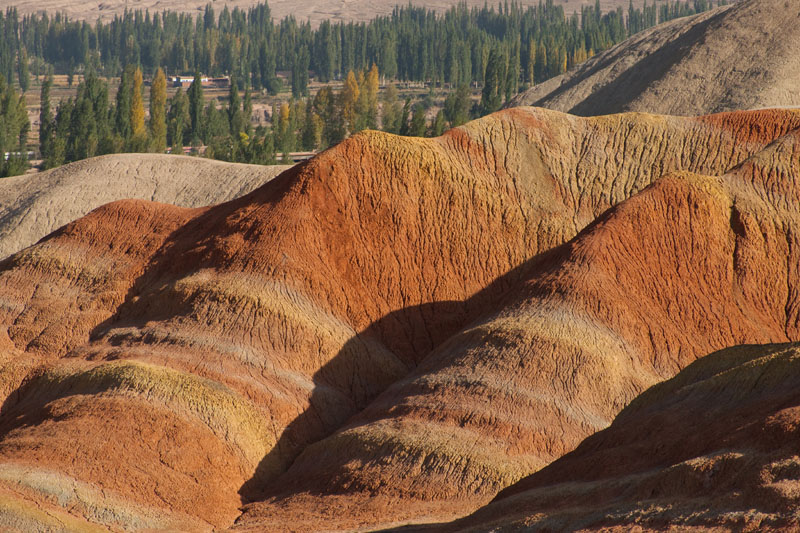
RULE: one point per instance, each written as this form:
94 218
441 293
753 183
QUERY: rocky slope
404 312
689 265
741 56
32 206
714 448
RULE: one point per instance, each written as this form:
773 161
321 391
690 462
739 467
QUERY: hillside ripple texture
713 449
392 332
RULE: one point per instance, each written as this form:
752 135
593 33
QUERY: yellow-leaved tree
138 133
350 94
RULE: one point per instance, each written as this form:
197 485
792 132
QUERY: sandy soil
314 10
32 206
736 57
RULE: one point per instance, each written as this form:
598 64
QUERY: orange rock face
394 331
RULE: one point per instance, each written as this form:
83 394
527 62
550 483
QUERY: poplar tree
494 86
311 136
333 125
138 141
158 112
124 102
284 136
14 126
23 73
90 132
438 124
457 106
179 122
404 115
540 64
530 63
387 57
512 72
247 110
418 125
267 67
300 65
215 123
46 126
261 150
369 99
390 110
349 96
196 105
235 118
57 154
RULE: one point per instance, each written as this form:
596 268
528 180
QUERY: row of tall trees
330 116
298 125
413 43
14 127
90 125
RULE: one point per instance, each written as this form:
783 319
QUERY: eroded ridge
712 449
404 312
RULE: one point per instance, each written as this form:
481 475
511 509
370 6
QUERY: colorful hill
392 332
712 449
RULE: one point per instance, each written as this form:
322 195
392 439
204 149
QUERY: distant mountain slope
32 206
714 448
392 331
742 56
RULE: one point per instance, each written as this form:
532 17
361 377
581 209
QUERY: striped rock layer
713 449
393 331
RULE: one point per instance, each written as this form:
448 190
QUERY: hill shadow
408 334
411 334
353 374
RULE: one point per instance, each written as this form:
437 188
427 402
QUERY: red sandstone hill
393 331
714 448
689 265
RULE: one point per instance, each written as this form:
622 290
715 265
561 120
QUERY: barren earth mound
742 56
